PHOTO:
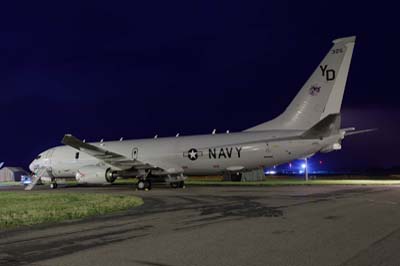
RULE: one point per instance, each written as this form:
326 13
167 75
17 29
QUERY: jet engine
95 175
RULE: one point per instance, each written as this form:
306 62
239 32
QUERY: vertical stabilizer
321 95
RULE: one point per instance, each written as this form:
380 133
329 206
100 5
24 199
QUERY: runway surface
304 225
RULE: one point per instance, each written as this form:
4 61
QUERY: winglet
74 142
66 138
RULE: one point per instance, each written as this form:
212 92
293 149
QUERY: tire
147 184
236 177
141 185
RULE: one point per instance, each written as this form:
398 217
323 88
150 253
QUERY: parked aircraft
310 124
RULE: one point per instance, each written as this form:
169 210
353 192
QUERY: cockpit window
38 157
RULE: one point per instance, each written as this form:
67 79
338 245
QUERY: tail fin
321 95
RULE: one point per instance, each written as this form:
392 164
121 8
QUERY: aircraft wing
111 158
116 160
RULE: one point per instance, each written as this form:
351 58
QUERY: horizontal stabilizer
360 131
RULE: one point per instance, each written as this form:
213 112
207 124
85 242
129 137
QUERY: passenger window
77 155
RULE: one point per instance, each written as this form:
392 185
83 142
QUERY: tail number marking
330 74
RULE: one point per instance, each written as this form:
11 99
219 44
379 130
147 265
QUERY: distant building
11 174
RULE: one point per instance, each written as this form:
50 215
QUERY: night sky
106 69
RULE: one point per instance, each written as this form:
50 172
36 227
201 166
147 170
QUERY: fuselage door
268 151
135 153
48 156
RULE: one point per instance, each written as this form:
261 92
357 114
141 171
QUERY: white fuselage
309 124
195 155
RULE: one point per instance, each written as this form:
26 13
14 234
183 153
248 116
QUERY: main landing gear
143 184
180 184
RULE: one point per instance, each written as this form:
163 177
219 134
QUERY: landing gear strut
180 184
53 184
143 184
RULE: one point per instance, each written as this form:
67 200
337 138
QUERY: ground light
305 166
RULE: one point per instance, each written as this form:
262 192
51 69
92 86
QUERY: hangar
12 174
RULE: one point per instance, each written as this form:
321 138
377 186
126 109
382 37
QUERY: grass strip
29 208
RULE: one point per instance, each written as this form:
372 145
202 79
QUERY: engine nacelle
95 175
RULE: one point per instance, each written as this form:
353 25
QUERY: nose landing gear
53 184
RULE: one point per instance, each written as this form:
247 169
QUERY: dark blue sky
106 69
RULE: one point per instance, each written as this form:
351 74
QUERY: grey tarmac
292 225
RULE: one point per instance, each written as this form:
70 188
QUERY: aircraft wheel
147 184
180 184
53 185
141 185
